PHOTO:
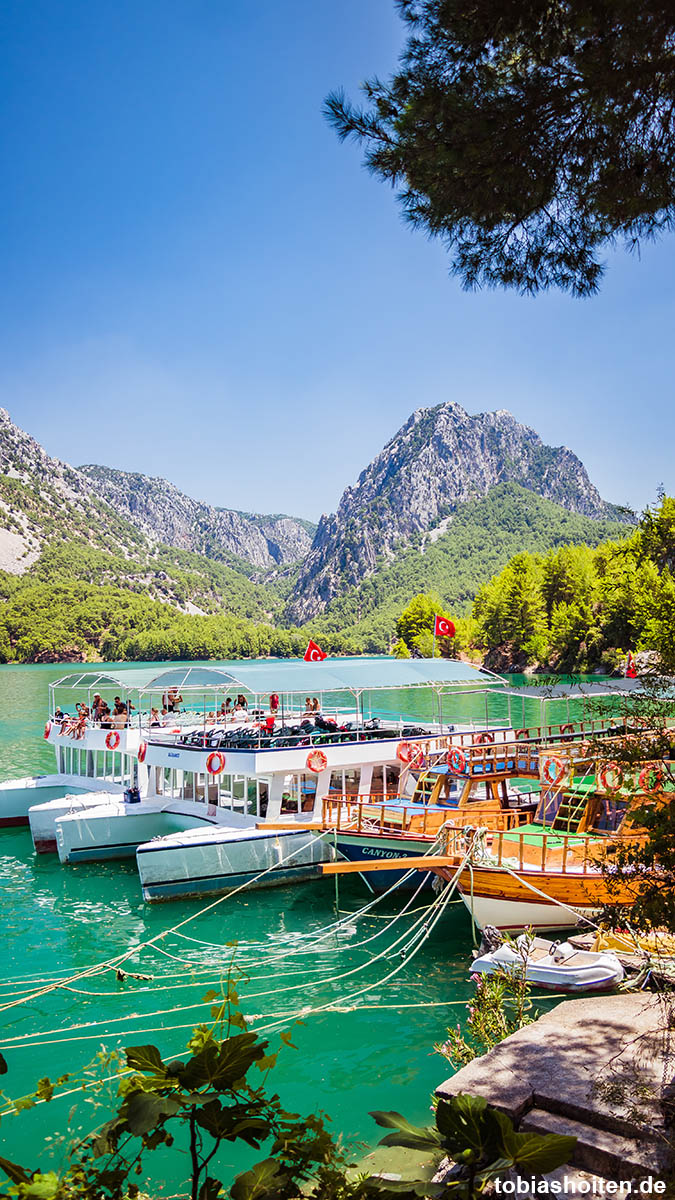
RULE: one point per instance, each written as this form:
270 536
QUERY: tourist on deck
173 700
316 707
105 717
274 704
228 709
309 707
97 706
59 716
120 717
154 718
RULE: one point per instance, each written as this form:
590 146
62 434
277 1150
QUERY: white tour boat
202 787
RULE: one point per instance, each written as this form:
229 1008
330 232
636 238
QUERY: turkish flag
314 653
443 627
630 672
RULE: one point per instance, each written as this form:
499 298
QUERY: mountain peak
441 457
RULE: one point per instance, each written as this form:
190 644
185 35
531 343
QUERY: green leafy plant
501 1005
480 1140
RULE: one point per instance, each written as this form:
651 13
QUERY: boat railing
391 815
546 852
494 759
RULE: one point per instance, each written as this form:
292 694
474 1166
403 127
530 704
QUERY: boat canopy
290 676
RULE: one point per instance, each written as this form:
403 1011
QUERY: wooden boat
547 874
556 966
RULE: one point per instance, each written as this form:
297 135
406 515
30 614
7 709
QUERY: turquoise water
58 920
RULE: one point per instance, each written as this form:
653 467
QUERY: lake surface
372 1051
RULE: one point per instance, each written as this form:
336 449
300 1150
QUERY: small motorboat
558 966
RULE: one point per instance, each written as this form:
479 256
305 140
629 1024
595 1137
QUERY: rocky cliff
441 458
43 499
163 513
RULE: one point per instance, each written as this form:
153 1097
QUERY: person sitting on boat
309 707
228 709
105 717
316 707
174 700
119 717
59 716
97 705
154 718
164 718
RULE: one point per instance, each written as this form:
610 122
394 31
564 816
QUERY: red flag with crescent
314 653
443 627
630 672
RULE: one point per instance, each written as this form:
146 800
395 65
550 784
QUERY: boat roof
292 676
579 689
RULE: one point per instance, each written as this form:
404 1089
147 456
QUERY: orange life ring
48 729
522 733
416 754
482 738
403 752
215 762
316 761
142 751
567 728
552 770
112 739
644 780
610 768
457 760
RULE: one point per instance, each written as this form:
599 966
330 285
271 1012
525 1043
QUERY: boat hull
211 861
17 796
358 847
107 832
42 818
511 901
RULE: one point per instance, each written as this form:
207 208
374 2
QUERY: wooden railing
547 852
363 815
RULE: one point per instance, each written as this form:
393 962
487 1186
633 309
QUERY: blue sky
199 281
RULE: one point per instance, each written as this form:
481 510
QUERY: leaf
42 1187
259 1181
210 1189
539 1152
3 1065
286 1036
45 1089
413 1136
466 1123
145 1058
143 1110
267 1062
14 1171
210 995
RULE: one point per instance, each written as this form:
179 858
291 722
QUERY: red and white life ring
142 751
481 739
457 760
410 753
651 778
112 739
316 761
552 770
522 733
48 729
215 763
610 777
569 728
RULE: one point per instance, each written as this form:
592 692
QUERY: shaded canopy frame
294 678
617 689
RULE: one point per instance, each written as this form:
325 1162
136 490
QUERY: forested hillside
456 558
578 607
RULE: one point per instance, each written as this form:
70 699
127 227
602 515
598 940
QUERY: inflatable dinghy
555 965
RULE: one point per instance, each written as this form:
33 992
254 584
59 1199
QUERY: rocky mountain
43 499
440 459
164 514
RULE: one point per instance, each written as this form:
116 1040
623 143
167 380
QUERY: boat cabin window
547 809
346 782
385 780
609 814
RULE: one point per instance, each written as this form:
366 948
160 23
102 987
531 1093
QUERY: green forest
578 607
526 582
